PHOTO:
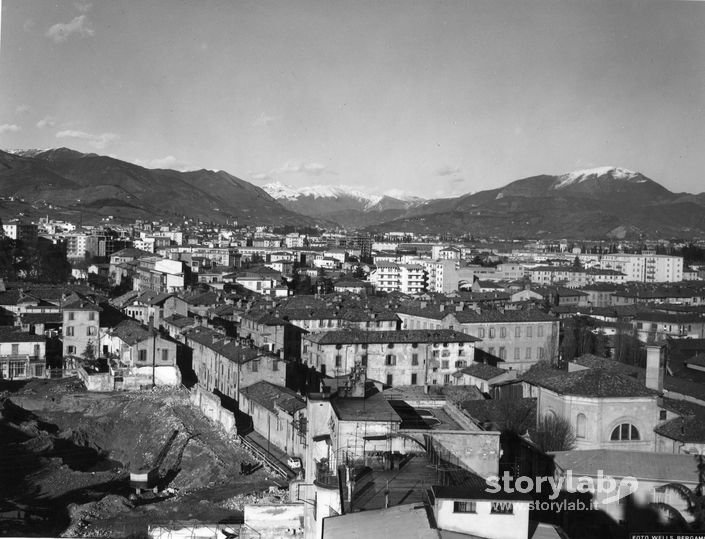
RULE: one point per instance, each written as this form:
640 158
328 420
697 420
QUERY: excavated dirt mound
66 456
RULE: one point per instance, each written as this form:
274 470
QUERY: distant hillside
68 183
605 202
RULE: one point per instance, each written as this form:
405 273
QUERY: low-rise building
22 355
405 357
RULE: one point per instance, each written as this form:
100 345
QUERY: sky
430 98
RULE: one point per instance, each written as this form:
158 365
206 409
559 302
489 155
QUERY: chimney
654 367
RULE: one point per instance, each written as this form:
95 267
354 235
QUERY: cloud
299 167
22 109
263 120
9 128
292 168
457 180
79 26
46 122
260 176
96 141
168 161
447 170
83 7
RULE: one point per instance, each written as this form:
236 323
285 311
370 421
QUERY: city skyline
432 99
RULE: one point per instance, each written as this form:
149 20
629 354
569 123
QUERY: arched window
580 425
625 431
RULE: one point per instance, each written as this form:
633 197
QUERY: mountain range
67 183
343 205
605 202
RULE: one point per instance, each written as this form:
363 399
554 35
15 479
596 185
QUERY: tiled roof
11 334
496 410
272 396
595 362
81 305
687 429
131 252
225 346
373 408
595 383
180 321
662 467
132 332
358 336
41 318
264 317
482 371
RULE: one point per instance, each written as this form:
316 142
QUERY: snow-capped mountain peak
616 173
278 190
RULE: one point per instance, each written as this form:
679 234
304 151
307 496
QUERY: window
15 349
502 352
69 331
90 331
275 365
446 379
503 332
17 369
580 424
542 352
390 379
481 333
502 508
540 331
413 379
464 507
323 369
142 355
436 353
662 415
625 432
91 316
414 359
338 361
37 350
492 333
165 355
517 331
460 364
364 346
390 345
517 354
461 352
363 360
445 364
390 360
70 349
71 315
528 353
529 332
255 365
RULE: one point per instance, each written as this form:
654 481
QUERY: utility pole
154 351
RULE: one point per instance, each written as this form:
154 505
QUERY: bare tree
554 433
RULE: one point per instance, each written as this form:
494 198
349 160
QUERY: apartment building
405 357
645 267
404 278
518 338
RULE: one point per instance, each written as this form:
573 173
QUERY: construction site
79 464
